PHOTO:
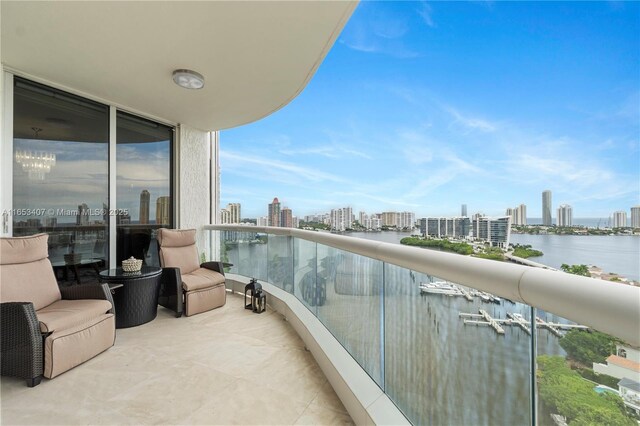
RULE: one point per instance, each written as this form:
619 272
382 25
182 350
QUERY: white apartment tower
234 212
341 219
546 208
565 215
635 217
619 219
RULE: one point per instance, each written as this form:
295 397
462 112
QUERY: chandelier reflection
36 163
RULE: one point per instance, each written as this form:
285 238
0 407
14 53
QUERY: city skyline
394 120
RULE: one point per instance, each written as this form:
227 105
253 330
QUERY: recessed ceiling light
188 79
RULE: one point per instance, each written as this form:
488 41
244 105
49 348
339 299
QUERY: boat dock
450 289
517 320
556 328
520 321
466 294
483 315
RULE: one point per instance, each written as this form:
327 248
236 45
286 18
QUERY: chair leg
34 381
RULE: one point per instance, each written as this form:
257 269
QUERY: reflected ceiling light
188 79
36 164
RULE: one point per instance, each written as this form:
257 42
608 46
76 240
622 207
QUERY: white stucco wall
194 186
616 371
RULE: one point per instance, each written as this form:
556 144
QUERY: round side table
136 302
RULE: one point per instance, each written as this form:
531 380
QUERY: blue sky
426 106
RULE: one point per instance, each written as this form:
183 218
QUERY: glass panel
305 286
352 311
60 184
584 377
443 367
247 251
280 262
144 191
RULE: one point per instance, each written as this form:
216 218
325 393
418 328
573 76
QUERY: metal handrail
610 307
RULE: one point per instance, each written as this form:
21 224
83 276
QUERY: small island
481 250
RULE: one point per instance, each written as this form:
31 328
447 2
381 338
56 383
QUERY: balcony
227 366
482 354
361 342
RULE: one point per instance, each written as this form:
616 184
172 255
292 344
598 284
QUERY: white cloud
425 11
328 151
472 123
281 171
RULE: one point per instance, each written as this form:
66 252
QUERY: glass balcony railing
443 352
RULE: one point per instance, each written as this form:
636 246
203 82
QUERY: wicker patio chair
186 285
45 330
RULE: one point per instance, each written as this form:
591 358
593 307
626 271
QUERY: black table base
136 302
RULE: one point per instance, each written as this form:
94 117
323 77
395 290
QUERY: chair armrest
20 340
88 291
213 266
171 290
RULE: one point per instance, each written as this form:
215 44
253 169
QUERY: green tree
566 393
576 269
588 347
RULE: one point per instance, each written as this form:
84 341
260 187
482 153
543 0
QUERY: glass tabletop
118 272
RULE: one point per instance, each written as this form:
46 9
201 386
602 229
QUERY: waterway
612 253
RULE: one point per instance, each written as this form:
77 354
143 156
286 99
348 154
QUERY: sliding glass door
144 193
61 180
60 176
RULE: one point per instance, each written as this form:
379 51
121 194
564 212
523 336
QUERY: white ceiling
255 56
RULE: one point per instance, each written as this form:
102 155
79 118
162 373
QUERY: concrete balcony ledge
366 403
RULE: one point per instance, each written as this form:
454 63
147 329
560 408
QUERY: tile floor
227 366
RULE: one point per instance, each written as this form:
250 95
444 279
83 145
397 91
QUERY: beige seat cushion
65 349
201 278
65 314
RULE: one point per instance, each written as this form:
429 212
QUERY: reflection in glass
310 289
247 251
280 262
441 368
352 311
144 190
60 177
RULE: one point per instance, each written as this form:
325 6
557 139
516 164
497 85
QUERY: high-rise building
439 227
145 197
635 217
225 216
389 219
83 215
546 208
521 215
512 214
405 220
497 231
619 219
262 221
50 222
163 213
565 215
463 210
274 213
341 219
235 212
363 218
286 218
